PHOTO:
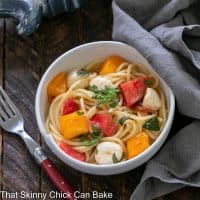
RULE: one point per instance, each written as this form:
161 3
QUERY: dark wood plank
96 21
57 36
187 193
1 83
131 180
20 172
108 184
1 50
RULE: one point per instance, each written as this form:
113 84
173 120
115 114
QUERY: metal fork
12 121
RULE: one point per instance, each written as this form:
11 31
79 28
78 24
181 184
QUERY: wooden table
22 63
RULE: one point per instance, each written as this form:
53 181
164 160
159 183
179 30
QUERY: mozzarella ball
151 99
101 82
105 151
73 77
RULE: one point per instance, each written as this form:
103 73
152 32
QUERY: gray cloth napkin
167 33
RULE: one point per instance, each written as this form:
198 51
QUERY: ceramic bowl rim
59 153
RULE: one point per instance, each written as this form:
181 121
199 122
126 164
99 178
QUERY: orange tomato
73 125
57 85
137 144
111 64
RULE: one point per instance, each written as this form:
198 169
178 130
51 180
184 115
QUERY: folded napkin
167 33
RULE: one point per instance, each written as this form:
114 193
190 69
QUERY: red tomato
133 91
111 129
105 123
72 152
70 106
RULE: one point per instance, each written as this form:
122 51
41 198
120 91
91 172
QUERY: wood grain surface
22 63
1 83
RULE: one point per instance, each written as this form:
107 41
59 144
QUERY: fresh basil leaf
82 72
92 138
80 112
91 142
114 158
82 138
95 129
107 95
149 82
152 124
123 119
123 156
113 104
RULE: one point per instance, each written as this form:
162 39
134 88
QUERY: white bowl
77 57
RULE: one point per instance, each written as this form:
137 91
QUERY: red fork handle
57 178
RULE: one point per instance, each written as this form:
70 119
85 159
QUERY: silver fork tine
3 114
6 107
75 3
1 122
12 107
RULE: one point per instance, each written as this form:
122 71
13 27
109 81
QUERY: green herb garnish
82 138
92 138
123 119
91 142
107 95
152 124
115 160
80 112
82 72
149 82
123 156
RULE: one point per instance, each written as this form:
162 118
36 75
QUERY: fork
12 121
